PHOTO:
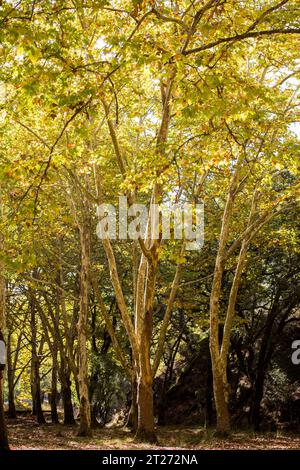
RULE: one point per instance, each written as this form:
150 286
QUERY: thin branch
33 133
195 22
77 111
240 37
169 19
266 13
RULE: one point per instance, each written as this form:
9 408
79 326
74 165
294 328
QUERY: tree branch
240 37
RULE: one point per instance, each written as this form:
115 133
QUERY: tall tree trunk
54 373
3 429
10 380
35 373
85 409
146 425
218 363
54 414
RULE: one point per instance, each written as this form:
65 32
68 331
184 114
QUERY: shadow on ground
24 433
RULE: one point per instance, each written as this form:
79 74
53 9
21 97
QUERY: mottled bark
85 409
146 428
218 365
146 425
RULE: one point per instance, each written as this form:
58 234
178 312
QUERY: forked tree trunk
140 334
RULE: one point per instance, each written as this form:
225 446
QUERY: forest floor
25 434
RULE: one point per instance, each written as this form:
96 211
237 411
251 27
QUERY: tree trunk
32 389
12 414
132 419
144 325
3 429
38 405
53 401
218 369
220 387
67 395
35 373
221 403
10 380
85 408
140 334
146 428
68 406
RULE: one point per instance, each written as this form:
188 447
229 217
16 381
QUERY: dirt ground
25 434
